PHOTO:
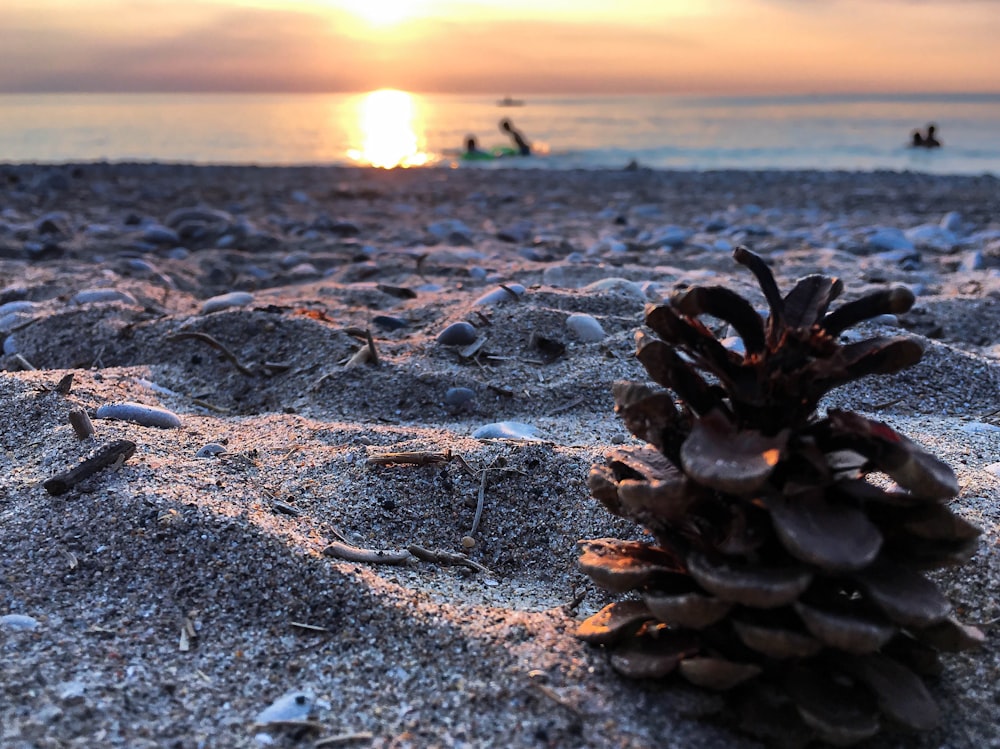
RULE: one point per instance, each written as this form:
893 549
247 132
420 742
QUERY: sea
390 128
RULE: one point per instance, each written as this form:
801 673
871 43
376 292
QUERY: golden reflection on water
389 130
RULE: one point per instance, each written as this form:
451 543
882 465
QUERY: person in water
926 141
929 140
523 147
472 148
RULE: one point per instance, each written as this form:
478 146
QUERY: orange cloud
305 45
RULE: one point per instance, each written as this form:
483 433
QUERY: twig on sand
480 502
116 452
440 556
373 354
214 343
567 406
24 364
550 693
371 556
344 738
413 458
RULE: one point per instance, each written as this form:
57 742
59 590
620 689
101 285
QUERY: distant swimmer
472 148
523 147
919 140
929 140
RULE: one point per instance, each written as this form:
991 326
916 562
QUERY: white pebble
22 305
225 301
210 450
506 430
101 296
586 328
149 416
980 427
501 295
18 622
617 286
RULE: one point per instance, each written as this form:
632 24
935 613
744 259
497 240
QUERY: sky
501 46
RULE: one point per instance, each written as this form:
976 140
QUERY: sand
174 597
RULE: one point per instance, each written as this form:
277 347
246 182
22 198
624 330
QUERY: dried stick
440 556
115 452
415 458
214 343
81 423
480 502
373 556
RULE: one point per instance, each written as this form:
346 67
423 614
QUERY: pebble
210 450
457 334
501 295
931 237
102 296
18 622
886 239
137 413
972 260
506 430
670 237
160 235
225 301
586 328
452 231
459 396
952 221
618 286
387 322
11 321
980 427
198 215
21 305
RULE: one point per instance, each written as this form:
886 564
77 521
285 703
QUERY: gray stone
888 239
459 396
137 413
102 296
586 328
509 293
18 622
457 334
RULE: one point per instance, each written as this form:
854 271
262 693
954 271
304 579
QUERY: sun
382 12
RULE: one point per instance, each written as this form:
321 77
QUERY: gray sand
175 597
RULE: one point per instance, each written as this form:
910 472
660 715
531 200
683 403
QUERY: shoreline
177 596
451 162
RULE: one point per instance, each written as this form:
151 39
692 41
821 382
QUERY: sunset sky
501 46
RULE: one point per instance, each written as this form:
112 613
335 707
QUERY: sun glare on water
388 125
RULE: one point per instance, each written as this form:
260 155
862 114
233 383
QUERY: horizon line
326 92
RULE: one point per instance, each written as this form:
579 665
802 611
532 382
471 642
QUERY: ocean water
392 128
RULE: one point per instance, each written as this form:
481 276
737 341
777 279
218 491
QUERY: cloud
234 49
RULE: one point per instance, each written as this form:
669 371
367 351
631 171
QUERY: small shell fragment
291 706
